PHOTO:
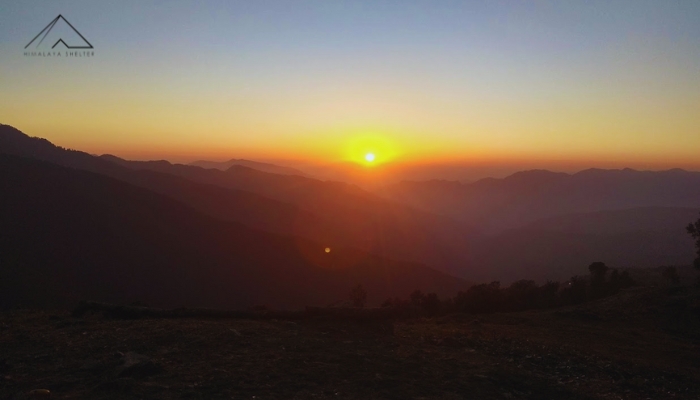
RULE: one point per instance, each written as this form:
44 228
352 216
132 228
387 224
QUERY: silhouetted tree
548 294
615 283
598 270
522 295
626 280
486 298
694 231
417 298
358 296
671 274
432 304
575 291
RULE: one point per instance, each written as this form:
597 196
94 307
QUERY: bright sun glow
370 149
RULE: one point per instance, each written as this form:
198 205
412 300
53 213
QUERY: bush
484 298
694 231
575 291
358 296
522 295
671 274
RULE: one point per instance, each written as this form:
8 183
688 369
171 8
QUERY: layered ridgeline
68 235
260 166
545 225
495 205
334 213
532 225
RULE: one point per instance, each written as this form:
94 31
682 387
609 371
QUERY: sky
546 83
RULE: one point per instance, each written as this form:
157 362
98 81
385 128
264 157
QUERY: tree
598 270
626 280
483 298
671 274
417 298
521 295
358 296
432 304
694 231
548 294
574 291
615 283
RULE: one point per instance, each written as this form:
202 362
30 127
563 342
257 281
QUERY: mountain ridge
260 166
335 212
69 234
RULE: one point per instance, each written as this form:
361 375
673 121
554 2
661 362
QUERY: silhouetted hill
14 142
67 235
331 212
260 166
363 219
650 219
524 197
532 222
233 205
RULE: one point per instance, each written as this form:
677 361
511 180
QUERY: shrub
358 296
694 231
671 274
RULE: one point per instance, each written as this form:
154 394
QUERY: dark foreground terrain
643 343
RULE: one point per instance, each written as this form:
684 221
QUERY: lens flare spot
328 250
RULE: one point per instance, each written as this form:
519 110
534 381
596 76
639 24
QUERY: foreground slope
640 344
67 235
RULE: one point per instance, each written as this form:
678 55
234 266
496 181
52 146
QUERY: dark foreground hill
640 344
68 235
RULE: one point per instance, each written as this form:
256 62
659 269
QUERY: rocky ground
641 344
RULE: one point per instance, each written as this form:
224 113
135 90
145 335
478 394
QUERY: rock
40 393
4 365
138 366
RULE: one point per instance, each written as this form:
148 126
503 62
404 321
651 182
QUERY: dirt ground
641 344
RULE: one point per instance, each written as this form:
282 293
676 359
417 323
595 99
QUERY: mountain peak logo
65 34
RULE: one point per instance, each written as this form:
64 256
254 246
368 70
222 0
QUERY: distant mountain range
260 166
546 225
560 247
531 225
69 235
494 205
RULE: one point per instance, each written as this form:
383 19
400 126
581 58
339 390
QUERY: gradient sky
494 81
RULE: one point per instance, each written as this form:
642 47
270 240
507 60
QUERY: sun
369 149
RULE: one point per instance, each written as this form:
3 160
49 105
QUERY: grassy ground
641 344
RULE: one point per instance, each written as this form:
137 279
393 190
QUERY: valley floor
641 344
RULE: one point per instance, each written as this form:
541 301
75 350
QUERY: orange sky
548 84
